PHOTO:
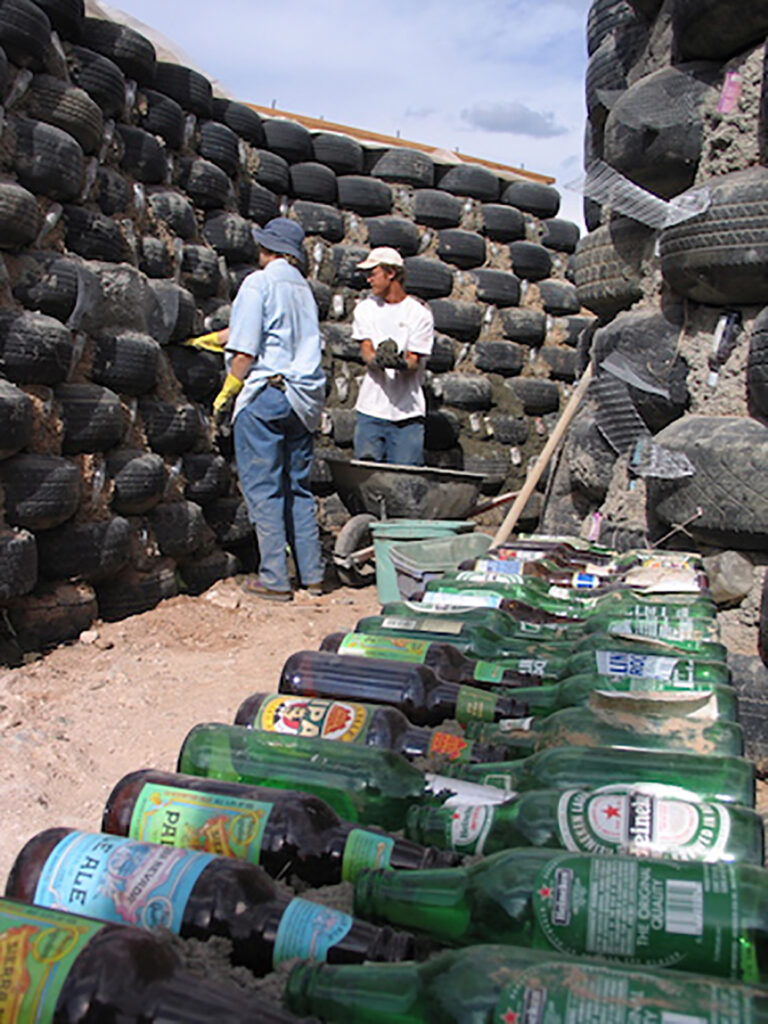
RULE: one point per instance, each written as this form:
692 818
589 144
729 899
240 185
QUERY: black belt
276 381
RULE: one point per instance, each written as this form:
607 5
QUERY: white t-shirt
393 394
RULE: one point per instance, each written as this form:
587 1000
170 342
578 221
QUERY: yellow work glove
210 342
223 402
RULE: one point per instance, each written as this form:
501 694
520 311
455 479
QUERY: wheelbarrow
372 492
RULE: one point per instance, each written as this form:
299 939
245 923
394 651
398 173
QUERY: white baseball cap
381 254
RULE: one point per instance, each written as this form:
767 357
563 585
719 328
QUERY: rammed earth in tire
25 32
317 219
48 161
313 181
502 223
406 166
126 362
66 107
139 480
241 119
757 367
717 29
461 320
41 491
18 563
131 51
52 614
220 145
15 419
34 349
161 116
503 357
93 551
397 232
341 153
427 278
92 418
132 592
189 88
436 208
608 265
497 287
100 77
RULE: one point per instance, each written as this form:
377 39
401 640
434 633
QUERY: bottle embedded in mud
196 895
371 725
707 918
69 969
286 833
413 689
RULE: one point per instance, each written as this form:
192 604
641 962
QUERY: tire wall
127 198
677 97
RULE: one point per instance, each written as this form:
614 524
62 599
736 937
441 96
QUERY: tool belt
276 381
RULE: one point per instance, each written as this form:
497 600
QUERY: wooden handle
546 454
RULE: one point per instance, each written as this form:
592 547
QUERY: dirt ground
124 697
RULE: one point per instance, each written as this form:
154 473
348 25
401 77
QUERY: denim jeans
273 450
400 442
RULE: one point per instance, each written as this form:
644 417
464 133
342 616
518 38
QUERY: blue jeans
400 442
273 450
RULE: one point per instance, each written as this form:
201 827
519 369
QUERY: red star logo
510 1017
455 816
611 812
545 892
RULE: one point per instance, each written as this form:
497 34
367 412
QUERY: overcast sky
499 79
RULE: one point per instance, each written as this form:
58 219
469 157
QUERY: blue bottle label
308 930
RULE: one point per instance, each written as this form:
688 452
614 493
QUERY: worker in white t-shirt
396 334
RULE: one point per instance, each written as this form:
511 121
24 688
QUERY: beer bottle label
468 826
462 599
582 992
459 791
435 624
661 913
487 576
395 648
308 930
488 672
217 823
313 717
475 705
445 744
121 880
37 950
585 581
643 821
656 629
508 569
365 849
623 663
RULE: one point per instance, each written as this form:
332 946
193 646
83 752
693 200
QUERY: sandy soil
75 721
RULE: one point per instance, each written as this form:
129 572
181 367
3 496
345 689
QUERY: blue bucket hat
281 235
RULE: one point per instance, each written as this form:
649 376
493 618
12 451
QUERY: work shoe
252 586
315 589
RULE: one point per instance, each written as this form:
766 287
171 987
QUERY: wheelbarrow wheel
355 536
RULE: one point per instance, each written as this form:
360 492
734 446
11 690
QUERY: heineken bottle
352 722
364 785
488 984
286 833
708 918
647 820
413 689
710 776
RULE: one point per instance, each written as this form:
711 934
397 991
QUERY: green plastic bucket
418 562
393 531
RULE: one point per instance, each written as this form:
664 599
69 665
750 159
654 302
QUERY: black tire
220 145
503 357
202 573
18 564
19 216
443 355
355 535
16 413
510 430
41 491
405 166
342 154
48 161
497 287
318 219
397 232
231 236
91 551
450 458
155 259
465 391
100 77
273 172
34 348
340 343
460 320
48 283
492 463
526 326
436 209
228 518
53 614
348 274
757 367
139 480
502 223
538 396
530 260
542 201
730 485
427 278
179 527
94 236
171 429
560 235
706 30
66 16
4 73
561 362
442 430
612 16
762 626
178 310
132 52
605 81
260 205
199 373
608 266
132 592
288 139
175 210
567 330
200 270
25 32
161 116
66 107
208 477
126 362
468 180
190 89
589 457
236 274
721 256
313 181
322 294
463 249
365 196
111 191
343 421
655 130
205 183
92 418
143 156
244 121
559 298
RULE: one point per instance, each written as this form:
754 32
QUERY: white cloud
514 118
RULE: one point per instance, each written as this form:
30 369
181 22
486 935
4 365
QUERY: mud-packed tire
313 181
530 260
34 348
231 236
143 156
189 88
259 204
200 574
132 592
559 298
713 30
171 429
139 480
92 418
288 139
48 161
427 278
18 563
538 396
174 210
318 219
160 115
542 201
342 154
208 477
133 53
464 249
52 614
179 527
94 236
126 362
19 216
41 491
757 367
220 145
15 419
100 77
472 181
66 107
355 535
436 209
497 287
242 119
608 265
404 166
526 326
25 32
502 357
460 320
91 551
466 391
397 232
365 196
205 183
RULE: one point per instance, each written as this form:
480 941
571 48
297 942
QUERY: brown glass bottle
285 832
194 894
414 689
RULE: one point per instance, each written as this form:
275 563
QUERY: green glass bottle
708 918
494 622
488 984
712 777
625 658
664 822
362 784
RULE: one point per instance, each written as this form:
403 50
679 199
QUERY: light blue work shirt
274 319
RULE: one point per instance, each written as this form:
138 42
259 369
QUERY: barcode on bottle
684 908
669 1017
